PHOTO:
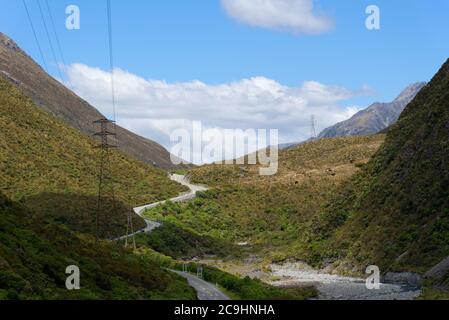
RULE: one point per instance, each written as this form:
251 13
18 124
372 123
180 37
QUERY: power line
129 227
49 38
58 43
106 183
35 35
111 58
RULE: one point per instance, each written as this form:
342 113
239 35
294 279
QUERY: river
334 287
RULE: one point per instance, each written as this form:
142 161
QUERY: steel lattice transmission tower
130 231
106 194
313 134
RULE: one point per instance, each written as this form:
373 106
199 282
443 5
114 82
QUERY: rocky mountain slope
50 95
375 118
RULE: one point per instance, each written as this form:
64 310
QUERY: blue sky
180 41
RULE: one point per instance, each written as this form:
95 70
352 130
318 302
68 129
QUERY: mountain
288 145
51 168
395 213
50 95
375 118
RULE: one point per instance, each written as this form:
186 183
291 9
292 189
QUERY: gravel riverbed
334 287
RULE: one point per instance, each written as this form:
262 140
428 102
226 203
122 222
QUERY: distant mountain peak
8 43
410 92
376 117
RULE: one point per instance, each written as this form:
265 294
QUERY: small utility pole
199 271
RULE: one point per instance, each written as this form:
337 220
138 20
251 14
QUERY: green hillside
51 168
395 213
34 255
270 213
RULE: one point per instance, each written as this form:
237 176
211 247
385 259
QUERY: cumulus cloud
155 108
295 16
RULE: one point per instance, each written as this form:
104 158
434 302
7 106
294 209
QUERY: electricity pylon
313 134
130 231
106 190
105 182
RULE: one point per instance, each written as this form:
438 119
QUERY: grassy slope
34 255
269 212
52 168
179 243
396 212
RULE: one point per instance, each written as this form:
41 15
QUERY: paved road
183 197
151 225
205 290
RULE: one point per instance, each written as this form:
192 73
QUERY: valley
336 204
372 190
268 213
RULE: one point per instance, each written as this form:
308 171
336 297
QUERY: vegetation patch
34 255
173 241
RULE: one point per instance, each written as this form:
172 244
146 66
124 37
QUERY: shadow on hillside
78 213
179 243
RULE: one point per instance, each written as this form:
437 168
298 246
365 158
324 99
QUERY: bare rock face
438 271
375 118
50 95
8 43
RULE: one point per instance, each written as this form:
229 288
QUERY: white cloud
295 16
155 108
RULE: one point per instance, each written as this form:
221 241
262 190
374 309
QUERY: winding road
150 224
205 290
